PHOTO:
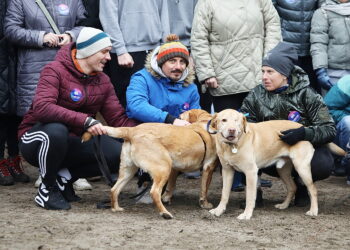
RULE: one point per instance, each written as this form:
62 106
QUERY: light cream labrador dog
247 147
163 150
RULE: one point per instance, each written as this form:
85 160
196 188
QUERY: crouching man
71 90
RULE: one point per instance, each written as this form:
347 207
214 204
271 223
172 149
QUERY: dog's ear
185 116
212 129
245 123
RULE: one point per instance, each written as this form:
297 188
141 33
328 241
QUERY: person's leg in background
120 76
305 62
45 146
14 160
6 178
342 139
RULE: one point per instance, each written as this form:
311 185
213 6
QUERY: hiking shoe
82 184
6 178
193 175
67 190
302 198
16 170
51 198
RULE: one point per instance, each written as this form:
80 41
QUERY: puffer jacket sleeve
15 30
249 108
138 103
323 129
272 26
200 47
80 15
319 40
113 112
45 105
338 103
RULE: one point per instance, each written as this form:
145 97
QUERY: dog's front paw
217 211
117 209
244 216
166 215
205 204
311 213
281 206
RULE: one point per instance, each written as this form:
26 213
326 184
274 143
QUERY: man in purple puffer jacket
71 90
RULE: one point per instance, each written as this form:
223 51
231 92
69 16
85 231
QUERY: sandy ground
23 225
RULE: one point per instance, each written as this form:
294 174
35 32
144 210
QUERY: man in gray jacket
135 27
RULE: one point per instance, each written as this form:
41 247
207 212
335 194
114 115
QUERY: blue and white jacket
151 96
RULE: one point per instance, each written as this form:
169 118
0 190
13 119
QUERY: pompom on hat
172 48
91 41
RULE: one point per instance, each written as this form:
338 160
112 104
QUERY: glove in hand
323 79
293 136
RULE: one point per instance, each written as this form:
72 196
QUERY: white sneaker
37 182
82 184
145 198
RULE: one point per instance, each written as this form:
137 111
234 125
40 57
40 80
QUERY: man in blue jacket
163 89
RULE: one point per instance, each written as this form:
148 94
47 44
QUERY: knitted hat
281 58
172 48
91 41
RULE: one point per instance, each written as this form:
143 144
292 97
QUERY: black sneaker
16 170
51 198
265 183
67 190
6 178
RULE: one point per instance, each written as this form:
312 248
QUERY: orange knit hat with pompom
172 48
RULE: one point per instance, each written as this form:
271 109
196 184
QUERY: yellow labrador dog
162 150
247 147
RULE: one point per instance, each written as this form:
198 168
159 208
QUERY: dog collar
208 130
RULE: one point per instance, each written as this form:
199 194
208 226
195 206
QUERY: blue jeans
343 135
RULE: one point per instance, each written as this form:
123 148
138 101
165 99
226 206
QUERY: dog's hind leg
126 173
303 166
227 179
207 175
170 187
286 177
160 177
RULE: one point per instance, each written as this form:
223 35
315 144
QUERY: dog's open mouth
230 138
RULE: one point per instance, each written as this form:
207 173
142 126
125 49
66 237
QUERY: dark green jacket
262 105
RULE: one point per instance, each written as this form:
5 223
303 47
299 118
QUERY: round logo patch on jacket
63 9
294 116
185 107
76 94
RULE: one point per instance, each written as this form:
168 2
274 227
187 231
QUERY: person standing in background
181 14
330 42
296 25
135 27
10 168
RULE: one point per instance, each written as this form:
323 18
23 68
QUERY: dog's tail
335 149
121 132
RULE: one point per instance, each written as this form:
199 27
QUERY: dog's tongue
230 138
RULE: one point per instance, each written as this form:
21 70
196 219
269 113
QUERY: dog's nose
231 130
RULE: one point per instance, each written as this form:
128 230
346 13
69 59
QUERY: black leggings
321 165
233 101
51 148
8 134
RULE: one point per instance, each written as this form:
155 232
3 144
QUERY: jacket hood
152 67
299 80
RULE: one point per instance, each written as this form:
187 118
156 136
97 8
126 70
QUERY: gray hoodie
136 25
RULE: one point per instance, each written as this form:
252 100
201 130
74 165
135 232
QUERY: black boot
302 198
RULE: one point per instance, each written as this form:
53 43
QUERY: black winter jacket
262 105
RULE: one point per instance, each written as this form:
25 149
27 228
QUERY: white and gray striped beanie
91 41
